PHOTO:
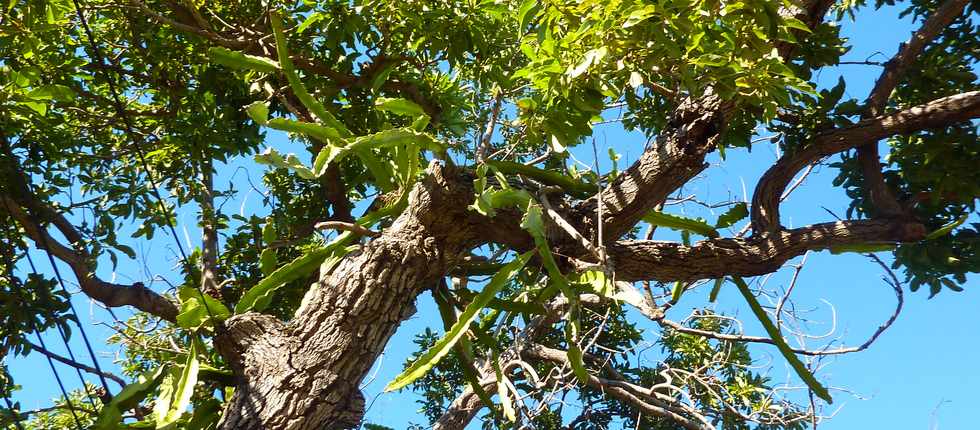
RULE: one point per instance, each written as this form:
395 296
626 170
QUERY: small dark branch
77 365
347 226
937 113
16 196
464 407
892 281
881 196
568 228
619 389
189 27
637 260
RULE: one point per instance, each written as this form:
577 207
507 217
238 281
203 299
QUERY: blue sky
918 375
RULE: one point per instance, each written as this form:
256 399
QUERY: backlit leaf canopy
353 112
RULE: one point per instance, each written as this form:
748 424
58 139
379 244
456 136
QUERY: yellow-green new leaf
290 161
502 391
258 297
238 60
197 308
182 391
259 112
399 106
777 338
445 344
315 107
675 222
946 229
384 139
112 414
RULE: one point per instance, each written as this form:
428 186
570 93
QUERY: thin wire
15 415
57 377
61 331
64 339
121 112
71 407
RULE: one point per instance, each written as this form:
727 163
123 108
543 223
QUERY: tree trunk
305 374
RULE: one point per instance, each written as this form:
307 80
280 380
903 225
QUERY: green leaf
863 248
183 391
592 57
238 60
258 297
310 20
791 22
193 314
268 261
130 397
259 112
269 234
384 139
524 15
399 106
946 229
314 106
640 15
715 290
463 347
502 391
777 338
52 92
320 132
675 222
576 358
290 161
676 292
598 282
733 215
442 347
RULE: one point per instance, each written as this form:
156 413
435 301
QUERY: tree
450 129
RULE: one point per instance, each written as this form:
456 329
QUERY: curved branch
637 260
16 196
110 294
881 196
937 113
909 51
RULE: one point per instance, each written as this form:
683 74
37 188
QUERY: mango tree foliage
449 146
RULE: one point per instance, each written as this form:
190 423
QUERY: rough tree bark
304 374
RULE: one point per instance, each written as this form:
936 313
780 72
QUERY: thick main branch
637 260
937 113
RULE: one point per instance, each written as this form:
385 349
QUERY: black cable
61 331
40 340
71 306
64 339
71 407
121 112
